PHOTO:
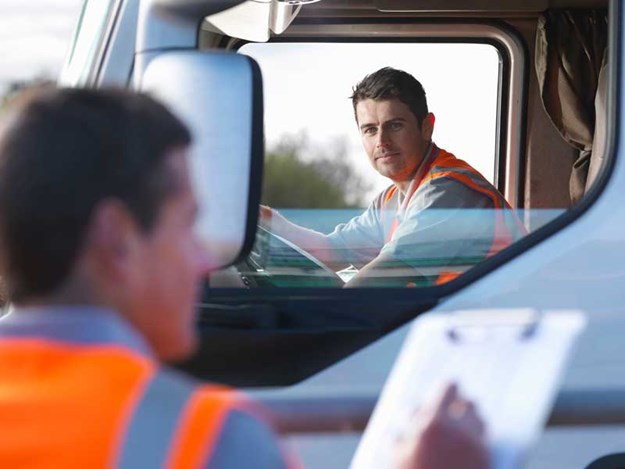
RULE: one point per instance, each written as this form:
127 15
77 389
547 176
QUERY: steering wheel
276 262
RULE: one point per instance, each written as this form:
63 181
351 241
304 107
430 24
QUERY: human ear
112 237
427 126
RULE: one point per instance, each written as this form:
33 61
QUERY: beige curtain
570 47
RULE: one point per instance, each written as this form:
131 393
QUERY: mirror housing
219 97
253 20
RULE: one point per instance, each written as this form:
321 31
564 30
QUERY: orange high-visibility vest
445 165
89 406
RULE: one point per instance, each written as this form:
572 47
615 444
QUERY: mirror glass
218 96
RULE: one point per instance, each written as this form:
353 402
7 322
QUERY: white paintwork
253 20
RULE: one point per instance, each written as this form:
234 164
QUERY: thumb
445 399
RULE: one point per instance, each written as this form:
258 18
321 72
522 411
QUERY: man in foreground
100 260
438 218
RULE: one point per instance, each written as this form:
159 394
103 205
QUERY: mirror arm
170 24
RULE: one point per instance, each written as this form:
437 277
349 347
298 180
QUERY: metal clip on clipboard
482 325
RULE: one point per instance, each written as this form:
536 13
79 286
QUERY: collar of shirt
73 324
404 199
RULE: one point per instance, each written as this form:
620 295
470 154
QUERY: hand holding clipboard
508 362
445 433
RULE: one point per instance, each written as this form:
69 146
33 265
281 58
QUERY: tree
14 88
296 175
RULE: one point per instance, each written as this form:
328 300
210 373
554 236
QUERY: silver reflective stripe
477 180
153 426
245 442
74 325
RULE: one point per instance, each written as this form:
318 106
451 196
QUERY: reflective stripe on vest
175 424
431 158
447 165
151 429
506 222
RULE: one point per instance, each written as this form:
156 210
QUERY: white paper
508 362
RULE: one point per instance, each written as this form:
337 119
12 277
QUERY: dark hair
389 83
62 151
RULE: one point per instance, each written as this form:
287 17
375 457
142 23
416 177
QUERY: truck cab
527 92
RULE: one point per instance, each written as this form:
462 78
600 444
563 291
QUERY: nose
383 140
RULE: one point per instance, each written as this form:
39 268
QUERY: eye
369 131
396 126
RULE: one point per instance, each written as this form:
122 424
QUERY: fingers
449 407
463 413
445 399
265 213
459 408
446 433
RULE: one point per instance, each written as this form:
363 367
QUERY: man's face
169 266
392 137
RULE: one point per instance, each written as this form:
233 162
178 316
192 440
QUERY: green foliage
298 176
16 87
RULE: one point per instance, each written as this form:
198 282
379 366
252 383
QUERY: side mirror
219 97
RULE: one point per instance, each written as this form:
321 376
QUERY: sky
306 88
34 37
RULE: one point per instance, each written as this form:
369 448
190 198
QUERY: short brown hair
62 151
389 83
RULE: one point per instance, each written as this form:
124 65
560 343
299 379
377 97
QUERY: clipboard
509 362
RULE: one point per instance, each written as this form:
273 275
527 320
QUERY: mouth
386 156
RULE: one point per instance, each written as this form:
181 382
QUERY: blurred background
34 37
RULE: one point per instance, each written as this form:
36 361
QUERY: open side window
320 175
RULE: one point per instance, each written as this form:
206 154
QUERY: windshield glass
380 168
86 42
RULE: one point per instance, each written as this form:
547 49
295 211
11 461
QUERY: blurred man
439 217
102 268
